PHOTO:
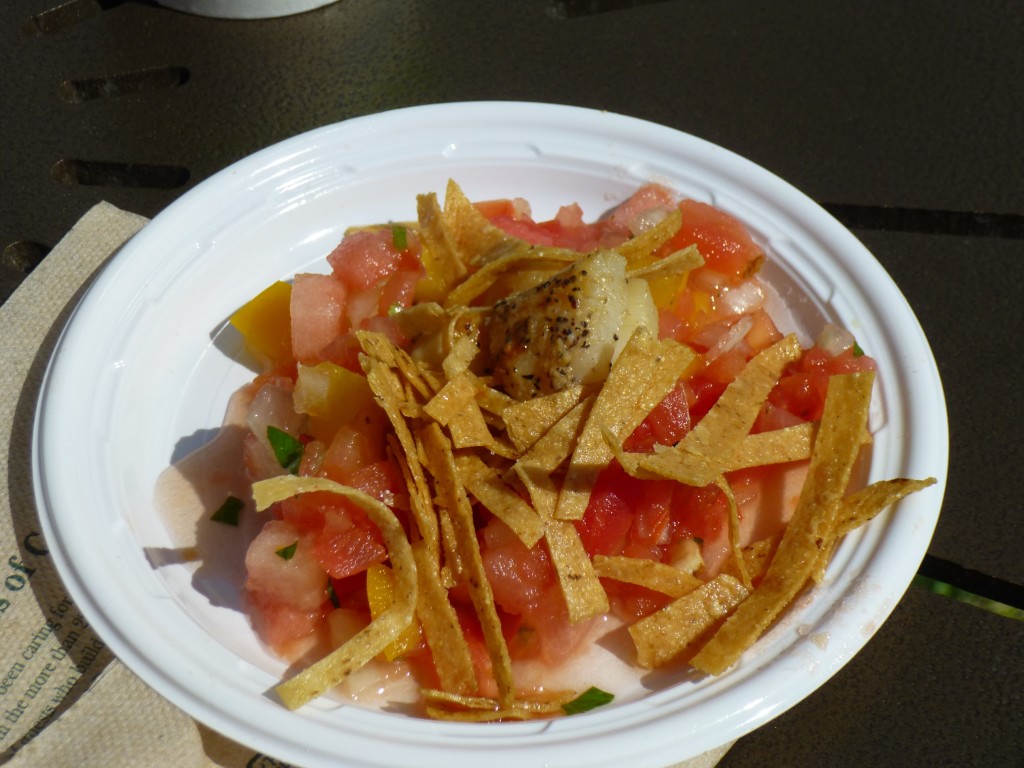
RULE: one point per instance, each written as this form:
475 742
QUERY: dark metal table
905 119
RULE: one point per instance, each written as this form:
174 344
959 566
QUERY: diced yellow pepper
380 594
332 396
265 324
665 289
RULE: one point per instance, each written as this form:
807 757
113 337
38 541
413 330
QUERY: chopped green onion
287 450
399 237
857 351
287 553
588 700
229 511
332 595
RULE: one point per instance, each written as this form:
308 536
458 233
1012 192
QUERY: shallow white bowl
145 367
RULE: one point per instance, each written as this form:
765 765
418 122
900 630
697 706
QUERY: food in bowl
481 437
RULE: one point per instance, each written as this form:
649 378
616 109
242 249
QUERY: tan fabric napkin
64 699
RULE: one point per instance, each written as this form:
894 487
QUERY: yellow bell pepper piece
380 594
332 396
265 324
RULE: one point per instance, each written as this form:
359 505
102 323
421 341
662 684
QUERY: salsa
319 569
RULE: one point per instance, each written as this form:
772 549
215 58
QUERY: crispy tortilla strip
448 646
442 705
535 467
734 529
387 389
860 507
439 251
475 238
666 633
441 461
460 356
644 373
706 449
526 420
778 446
676 265
455 407
661 577
756 558
384 629
540 261
377 346
640 249
810 529
499 498
584 595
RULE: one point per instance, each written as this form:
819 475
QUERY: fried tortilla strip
460 356
448 646
387 389
779 446
542 261
439 251
660 577
474 236
640 249
810 529
666 633
582 590
756 558
455 407
526 420
442 705
676 265
860 507
535 467
441 461
499 498
642 376
706 449
734 529
385 628
377 346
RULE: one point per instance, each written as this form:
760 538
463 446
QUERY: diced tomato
703 393
349 542
518 575
280 624
645 199
366 258
350 450
318 304
764 332
604 527
699 513
722 240
801 390
666 424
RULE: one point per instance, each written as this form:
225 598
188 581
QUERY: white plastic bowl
144 366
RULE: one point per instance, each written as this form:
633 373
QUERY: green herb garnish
287 450
332 595
229 511
287 553
588 700
399 237
857 351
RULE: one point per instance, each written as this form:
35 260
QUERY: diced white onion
730 339
648 219
744 298
835 340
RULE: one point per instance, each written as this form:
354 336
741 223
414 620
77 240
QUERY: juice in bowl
459 359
